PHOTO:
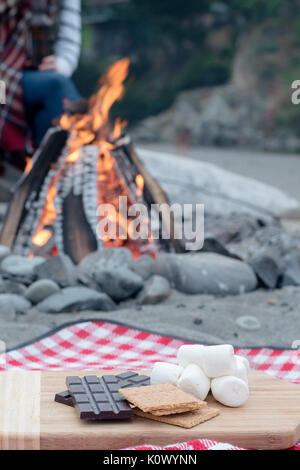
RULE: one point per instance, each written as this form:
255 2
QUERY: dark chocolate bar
127 379
65 398
97 398
132 379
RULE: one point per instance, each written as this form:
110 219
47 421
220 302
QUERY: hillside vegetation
202 45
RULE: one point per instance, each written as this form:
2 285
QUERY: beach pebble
60 269
16 301
40 290
143 266
76 299
15 266
155 290
119 283
248 322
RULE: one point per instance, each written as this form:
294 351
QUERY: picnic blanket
102 345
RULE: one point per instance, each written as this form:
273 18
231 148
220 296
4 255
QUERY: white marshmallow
188 354
217 361
230 391
194 381
164 372
245 361
241 369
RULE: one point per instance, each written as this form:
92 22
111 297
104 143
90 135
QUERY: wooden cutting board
30 419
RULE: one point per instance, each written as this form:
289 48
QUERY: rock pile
241 253
110 276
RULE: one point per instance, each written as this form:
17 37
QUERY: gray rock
232 228
4 252
40 290
115 257
207 273
112 257
143 266
155 290
85 269
20 268
16 301
291 276
8 312
187 181
58 268
74 299
12 287
118 282
267 266
248 322
273 238
211 245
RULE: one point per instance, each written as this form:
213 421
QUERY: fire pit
84 170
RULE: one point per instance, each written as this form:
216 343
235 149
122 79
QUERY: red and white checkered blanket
101 345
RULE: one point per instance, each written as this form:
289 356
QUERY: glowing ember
42 237
140 184
72 157
28 165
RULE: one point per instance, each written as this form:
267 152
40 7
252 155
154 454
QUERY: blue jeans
43 94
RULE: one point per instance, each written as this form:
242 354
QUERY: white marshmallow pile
204 368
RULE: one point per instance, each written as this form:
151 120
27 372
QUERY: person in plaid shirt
36 73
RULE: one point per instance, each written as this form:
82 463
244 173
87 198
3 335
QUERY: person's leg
44 93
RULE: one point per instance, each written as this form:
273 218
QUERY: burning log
28 188
79 239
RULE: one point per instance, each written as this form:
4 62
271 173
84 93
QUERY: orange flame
93 127
48 216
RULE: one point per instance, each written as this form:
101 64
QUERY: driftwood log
155 193
30 184
79 239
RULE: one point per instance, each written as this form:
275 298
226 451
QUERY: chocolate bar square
94 398
65 398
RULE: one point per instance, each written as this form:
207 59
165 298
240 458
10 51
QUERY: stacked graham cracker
168 404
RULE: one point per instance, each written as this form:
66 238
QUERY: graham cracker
180 409
185 420
162 399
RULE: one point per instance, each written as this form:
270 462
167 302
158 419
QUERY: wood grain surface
20 393
30 419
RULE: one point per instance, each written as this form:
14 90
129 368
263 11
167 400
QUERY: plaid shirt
15 16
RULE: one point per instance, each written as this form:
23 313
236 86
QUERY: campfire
84 166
